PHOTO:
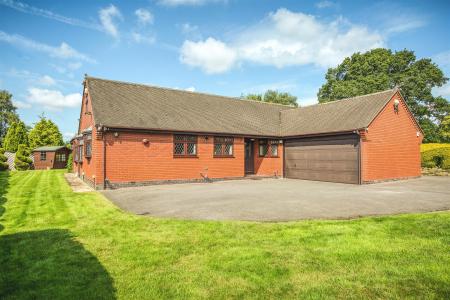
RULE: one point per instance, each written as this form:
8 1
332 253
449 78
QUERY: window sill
268 156
185 156
223 156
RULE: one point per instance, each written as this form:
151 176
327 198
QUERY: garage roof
336 116
136 106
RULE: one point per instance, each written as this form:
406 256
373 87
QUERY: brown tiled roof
336 116
119 104
127 105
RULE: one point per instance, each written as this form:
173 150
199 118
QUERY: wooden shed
50 157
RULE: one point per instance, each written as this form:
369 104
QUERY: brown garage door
334 159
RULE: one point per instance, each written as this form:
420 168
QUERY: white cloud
47 80
64 51
68 135
38 79
143 39
25 8
325 4
74 66
53 99
212 56
190 31
21 104
403 23
284 38
442 59
190 89
108 17
144 16
443 91
187 28
189 2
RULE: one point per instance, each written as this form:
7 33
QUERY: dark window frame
269 145
79 153
60 157
185 139
223 141
43 156
88 148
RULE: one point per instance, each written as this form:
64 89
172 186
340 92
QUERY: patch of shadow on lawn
50 264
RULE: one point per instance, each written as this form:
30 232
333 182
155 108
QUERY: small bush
437 157
69 163
22 161
3 160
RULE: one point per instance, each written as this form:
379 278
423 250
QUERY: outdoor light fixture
116 134
145 141
206 137
396 103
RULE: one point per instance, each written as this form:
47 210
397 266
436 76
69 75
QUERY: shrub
22 161
431 146
69 163
3 165
437 157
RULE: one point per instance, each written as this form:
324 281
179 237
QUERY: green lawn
55 244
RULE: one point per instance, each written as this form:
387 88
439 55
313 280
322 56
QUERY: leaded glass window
223 146
185 145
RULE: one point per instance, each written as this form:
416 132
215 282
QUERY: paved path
284 199
77 185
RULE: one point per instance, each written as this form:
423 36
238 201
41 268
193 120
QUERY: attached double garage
328 158
386 146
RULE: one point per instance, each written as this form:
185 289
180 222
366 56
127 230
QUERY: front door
249 163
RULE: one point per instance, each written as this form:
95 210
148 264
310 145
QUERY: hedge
437 157
431 146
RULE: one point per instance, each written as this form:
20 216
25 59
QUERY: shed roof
118 104
48 148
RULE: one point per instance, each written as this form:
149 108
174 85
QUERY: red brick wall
391 148
43 164
129 159
89 167
268 165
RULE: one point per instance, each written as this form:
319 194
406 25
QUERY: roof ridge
185 91
349 98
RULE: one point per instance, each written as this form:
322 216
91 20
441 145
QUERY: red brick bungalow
132 134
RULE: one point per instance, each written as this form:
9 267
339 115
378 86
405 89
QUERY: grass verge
57 244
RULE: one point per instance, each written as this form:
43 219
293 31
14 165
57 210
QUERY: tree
45 133
8 113
444 130
22 161
381 69
17 134
3 160
273 96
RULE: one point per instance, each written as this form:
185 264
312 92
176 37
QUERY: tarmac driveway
284 199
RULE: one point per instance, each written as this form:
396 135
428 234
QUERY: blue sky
225 47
